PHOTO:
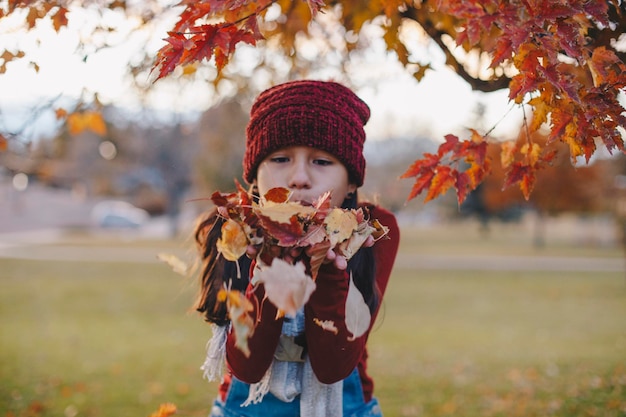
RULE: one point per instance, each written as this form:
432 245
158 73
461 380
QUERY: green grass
118 339
494 344
98 339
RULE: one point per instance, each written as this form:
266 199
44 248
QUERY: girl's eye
279 159
323 162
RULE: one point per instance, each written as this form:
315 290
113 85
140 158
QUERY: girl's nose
299 177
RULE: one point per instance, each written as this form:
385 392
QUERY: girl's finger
369 241
341 262
252 251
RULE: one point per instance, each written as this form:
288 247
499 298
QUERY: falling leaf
178 265
165 410
287 286
327 325
233 242
358 316
239 308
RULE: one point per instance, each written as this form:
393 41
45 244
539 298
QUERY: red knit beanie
319 114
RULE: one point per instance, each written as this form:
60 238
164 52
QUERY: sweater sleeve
334 356
262 343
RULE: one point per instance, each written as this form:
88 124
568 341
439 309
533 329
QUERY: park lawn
99 339
113 338
477 344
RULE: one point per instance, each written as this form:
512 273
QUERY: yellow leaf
569 137
239 307
190 69
75 124
95 122
340 225
89 120
283 212
507 154
178 265
541 109
233 242
477 137
350 246
532 152
327 325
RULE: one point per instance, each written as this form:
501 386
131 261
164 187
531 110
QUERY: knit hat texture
320 114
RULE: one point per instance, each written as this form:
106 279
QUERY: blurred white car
118 214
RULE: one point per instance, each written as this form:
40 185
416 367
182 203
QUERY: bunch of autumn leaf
292 240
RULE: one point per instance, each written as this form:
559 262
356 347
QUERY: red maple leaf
169 57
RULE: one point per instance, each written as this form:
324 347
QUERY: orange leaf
60 113
239 308
277 195
444 178
89 120
422 183
422 166
527 183
59 19
604 66
4 143
95 122
165 410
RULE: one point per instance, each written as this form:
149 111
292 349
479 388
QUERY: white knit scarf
285 379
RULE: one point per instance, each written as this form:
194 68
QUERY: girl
307 137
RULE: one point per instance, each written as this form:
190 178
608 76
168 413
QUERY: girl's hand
340 261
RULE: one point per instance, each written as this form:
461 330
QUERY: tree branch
435 34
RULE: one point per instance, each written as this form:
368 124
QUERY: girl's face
306 172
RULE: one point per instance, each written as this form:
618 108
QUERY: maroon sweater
333 357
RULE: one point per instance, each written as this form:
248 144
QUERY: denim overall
353 402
